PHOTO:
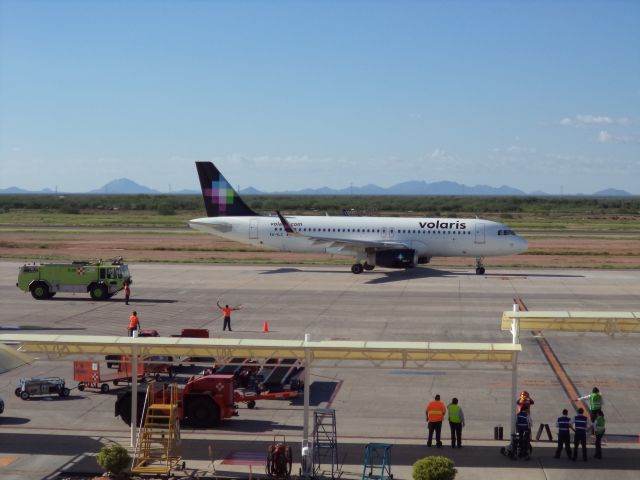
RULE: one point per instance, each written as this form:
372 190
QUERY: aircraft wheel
368 267
356 268
480 271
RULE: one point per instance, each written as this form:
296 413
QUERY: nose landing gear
479 266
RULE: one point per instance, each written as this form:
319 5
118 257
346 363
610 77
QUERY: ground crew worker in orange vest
127 293
226 312
134 323
435 414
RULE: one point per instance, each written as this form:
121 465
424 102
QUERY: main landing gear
360 267
479 266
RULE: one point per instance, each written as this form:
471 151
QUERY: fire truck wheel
203 412
24 395
81 387
251 404
104 388
40 291
99 292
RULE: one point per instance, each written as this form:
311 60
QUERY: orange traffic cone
265 327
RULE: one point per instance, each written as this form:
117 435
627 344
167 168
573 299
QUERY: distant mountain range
124 186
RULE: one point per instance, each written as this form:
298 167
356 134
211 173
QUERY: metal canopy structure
575 321
11 358
376 354
404 354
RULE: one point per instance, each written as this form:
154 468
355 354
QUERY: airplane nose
522 245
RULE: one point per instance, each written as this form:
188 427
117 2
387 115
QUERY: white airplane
373 241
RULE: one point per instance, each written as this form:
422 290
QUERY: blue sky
285 95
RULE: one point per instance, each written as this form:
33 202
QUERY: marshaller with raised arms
389 242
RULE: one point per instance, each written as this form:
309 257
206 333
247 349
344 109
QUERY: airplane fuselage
443 237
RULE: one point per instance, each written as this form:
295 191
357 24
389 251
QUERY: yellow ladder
156 450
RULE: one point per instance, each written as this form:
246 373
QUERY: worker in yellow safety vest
435 414
595 403
456 422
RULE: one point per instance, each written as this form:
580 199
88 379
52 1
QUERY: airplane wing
342 242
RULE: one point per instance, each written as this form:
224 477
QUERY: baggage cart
88 375
41 386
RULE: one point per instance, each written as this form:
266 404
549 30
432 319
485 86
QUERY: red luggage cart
88 375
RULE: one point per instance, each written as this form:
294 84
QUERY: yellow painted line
556 366
4 461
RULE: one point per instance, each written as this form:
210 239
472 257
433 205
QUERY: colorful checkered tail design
220 199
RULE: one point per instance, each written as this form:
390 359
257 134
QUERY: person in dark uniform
523 428
580 425
564 434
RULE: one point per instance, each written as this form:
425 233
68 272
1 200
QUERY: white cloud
606 137
600 166
440 154
515 150
582 120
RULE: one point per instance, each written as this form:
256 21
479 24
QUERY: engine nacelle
398 258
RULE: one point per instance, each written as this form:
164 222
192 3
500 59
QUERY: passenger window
103 274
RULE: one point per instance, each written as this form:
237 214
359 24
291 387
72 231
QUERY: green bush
434 468
166 209
113 458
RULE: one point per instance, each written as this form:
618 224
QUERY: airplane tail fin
220 199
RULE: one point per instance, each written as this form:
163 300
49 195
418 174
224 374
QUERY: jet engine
398 258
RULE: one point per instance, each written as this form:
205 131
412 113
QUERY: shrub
166 209
434 468
113 458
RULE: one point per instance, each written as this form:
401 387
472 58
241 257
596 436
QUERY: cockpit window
506 232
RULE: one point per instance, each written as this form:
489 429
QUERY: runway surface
331 303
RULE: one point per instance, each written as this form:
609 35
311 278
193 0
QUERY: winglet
285 224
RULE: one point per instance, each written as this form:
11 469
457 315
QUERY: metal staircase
325 442
159 435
